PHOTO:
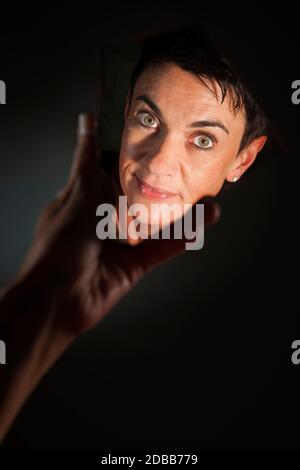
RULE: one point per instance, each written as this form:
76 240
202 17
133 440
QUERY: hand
69 279
93 274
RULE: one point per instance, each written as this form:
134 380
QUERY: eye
147 119
203 141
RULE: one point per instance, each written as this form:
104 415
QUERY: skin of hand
69 279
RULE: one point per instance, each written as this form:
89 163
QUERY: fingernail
87 124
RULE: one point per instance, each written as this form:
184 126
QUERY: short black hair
192 51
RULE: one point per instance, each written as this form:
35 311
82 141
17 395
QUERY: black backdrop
199 354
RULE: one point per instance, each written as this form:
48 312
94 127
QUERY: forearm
33 342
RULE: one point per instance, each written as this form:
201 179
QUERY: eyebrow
208 123
150 103
202 123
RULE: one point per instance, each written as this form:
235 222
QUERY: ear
246 158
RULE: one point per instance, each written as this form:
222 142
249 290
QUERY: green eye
147 120
203 141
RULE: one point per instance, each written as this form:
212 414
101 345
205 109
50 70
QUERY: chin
155 214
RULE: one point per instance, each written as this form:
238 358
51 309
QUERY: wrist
27 318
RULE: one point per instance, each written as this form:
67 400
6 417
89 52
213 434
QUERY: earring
235 179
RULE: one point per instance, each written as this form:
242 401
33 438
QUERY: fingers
212 212
85 155
152 252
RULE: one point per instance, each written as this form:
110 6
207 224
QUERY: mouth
151 192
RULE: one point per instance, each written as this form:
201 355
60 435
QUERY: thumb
85 154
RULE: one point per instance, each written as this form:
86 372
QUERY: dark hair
191 50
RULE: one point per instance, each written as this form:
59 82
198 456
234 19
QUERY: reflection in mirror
177 123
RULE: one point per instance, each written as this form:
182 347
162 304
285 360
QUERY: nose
162 158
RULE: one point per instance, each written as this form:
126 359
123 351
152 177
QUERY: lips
151 191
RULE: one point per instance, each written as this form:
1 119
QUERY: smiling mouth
151 191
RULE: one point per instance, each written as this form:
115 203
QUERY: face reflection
179 142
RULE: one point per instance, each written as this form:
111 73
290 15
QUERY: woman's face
179 142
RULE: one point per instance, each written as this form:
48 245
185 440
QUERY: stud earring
235 178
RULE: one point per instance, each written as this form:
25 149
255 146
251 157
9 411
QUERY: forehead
175 90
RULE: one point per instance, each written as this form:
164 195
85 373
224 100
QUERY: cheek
127 150
130 138
124 156
125 160
206 179
124 167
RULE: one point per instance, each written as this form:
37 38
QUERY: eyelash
212 137
144 111
206 134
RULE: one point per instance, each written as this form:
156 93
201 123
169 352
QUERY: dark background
198 355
